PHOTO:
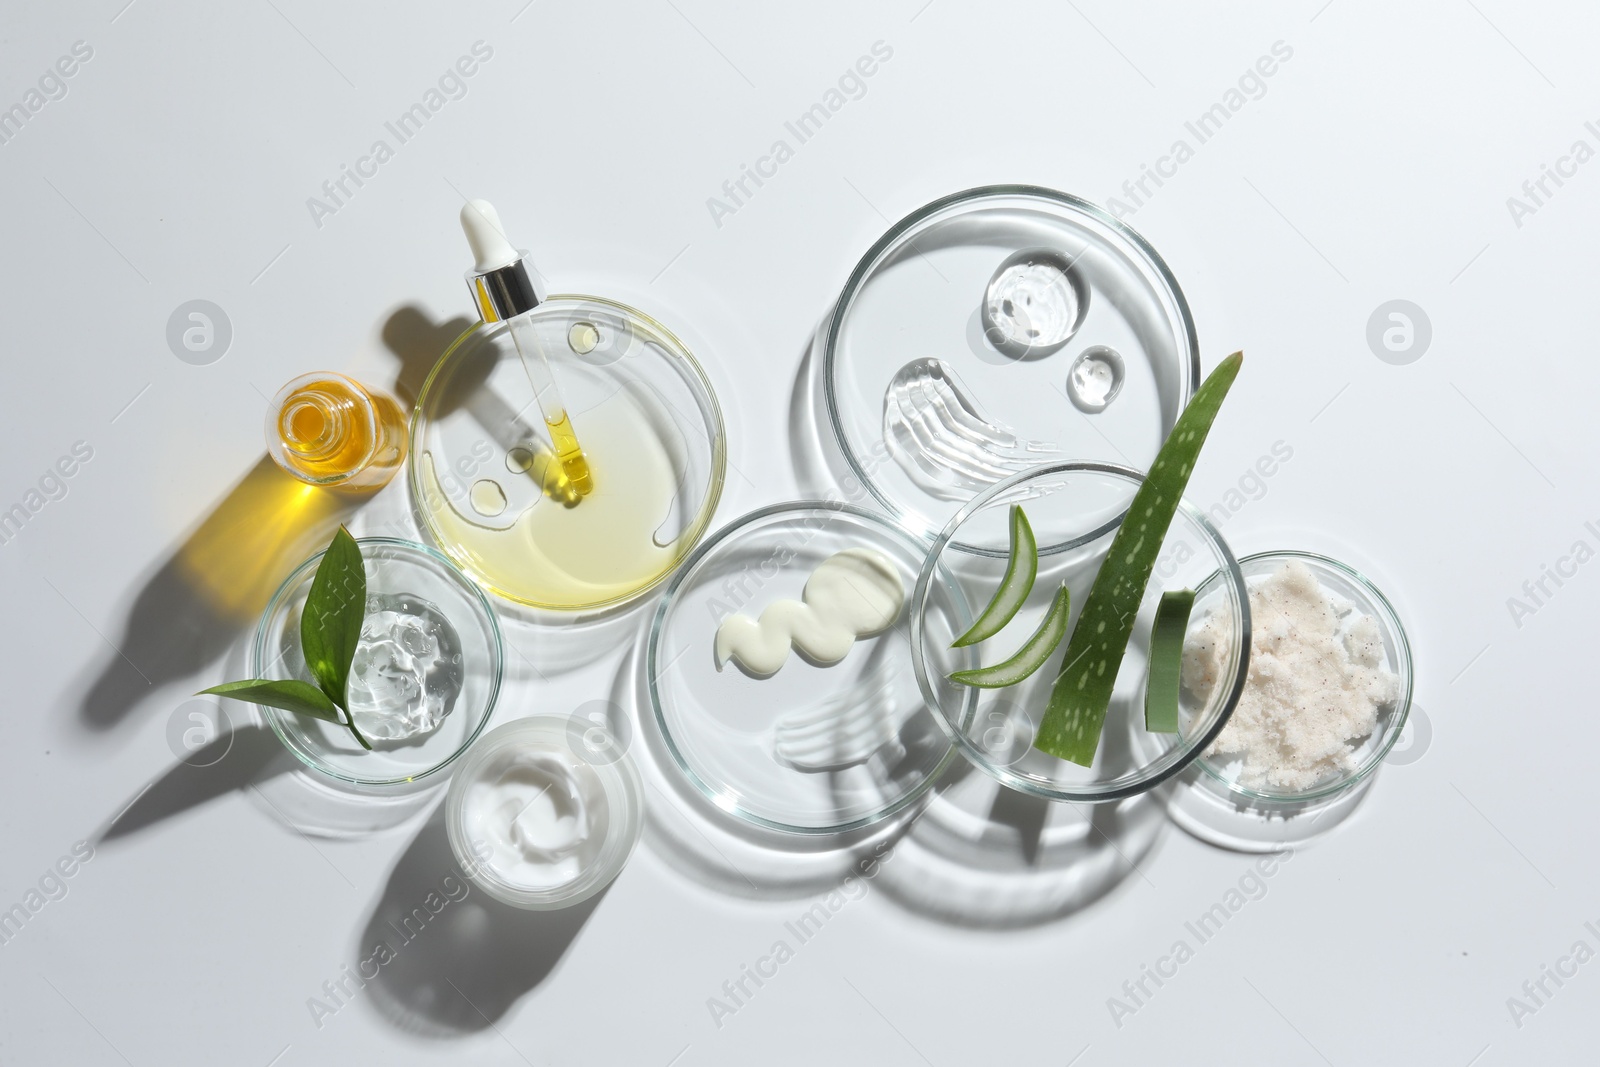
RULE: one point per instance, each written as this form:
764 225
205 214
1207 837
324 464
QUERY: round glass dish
808 749
571 764
932 396
400 569
486 491
1075 510
1353 596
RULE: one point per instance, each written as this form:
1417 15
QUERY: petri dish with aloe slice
487 488
1075 510
997 329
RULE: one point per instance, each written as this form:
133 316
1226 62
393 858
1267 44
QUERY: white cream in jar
537 816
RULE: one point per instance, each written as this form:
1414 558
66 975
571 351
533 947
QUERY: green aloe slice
1166 661
1021 569
1030 657
1076 713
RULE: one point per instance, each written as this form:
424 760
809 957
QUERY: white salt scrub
1315 684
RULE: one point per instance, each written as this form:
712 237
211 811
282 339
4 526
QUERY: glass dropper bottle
505 291
330 430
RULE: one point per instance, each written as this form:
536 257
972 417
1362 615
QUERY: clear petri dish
464 647
485 485
1075 510
808 749
997 329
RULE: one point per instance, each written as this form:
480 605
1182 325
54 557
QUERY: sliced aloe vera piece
1076 713
1030 657
1021 569
1166 661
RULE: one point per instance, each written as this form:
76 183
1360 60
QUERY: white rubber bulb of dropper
490 249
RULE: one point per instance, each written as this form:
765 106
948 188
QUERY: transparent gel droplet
942 439
406 673
519 460
1032 305
1095 378
488 498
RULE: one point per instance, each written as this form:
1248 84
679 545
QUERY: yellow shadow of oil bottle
331 444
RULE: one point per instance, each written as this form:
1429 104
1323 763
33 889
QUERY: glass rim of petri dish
289 727
1135 248
711 435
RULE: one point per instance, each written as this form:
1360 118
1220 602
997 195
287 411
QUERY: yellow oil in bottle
329 430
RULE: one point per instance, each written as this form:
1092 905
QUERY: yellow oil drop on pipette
505 291
574 464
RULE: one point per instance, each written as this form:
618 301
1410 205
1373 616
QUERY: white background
1377 165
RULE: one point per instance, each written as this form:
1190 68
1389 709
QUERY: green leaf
290 694
1030 657
1166 661
1076 713
330 622
1021 568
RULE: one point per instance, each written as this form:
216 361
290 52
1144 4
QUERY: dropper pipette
504 290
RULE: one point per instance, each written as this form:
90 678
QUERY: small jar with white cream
540 816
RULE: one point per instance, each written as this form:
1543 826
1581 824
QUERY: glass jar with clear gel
544 812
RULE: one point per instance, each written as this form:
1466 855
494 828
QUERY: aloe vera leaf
1030 657
1021 569
1166 661
1076 712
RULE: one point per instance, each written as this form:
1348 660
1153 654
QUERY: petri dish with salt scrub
487 487
1307 741
541 815
995 330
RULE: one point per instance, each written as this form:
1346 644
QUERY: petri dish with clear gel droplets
995 330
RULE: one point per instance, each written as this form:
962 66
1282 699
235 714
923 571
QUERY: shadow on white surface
212 589
453 960
230 762
988 857
416 342
717 850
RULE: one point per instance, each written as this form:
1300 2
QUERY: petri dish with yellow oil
491 493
